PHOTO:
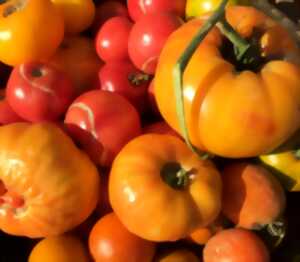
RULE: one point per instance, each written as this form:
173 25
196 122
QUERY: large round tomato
221 102
47 185
158 177
30 31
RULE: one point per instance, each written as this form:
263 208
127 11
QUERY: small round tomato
236 245
78 15
102 123
159 177
138 8
7 114
77 57
24 39
147 38
123 78
112 39
180 255
110 241
63 248
39 92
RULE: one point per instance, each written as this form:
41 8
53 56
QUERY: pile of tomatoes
99 163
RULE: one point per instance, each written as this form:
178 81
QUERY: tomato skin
160 128
39 92
147 38
109 241
137 189
95 119
235 245
179 255
78 15
118 77
39 37
7 115
138 8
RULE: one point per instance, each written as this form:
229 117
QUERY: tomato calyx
138 78
176 176
297 154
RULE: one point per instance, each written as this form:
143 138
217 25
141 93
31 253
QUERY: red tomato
39 92
110 241
160 128
235 245
7 115
112 39
138 8
148 37
124 78
102 123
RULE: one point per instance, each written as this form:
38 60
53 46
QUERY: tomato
110 241
24 39
106 10
123 78
286 167
7 115
235 245
195 8
179 255
78 15
102 122
47 185
160 128
147 38
209 80
77 57
158 176
63 248
138 8
39 92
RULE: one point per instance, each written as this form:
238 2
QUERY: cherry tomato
102 122
138 8
110 241
148 37
39 92
124 78
160 128
106 10
30 31
78 15
235 245
7 115
112 39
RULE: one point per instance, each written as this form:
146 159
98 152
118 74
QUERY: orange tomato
180 255
77 57
47 185
110 241
29 31
253 112
78 15
64 248
161 191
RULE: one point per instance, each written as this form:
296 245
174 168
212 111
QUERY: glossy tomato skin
236 245
147 38
123 78
109 241
7 115
39 92
102 122
39 37
138 8
112 39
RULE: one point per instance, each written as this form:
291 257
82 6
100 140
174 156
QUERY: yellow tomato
78 15
29 31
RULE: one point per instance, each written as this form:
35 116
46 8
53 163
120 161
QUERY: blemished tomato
102 123
112 39
24 39
110 241
138 8
147 38
7 114
158 176
39 92
123 78
78 15
235 245
63 248
47 185
77 57
179 255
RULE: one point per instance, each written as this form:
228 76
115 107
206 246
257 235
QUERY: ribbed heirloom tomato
254 112
161 191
